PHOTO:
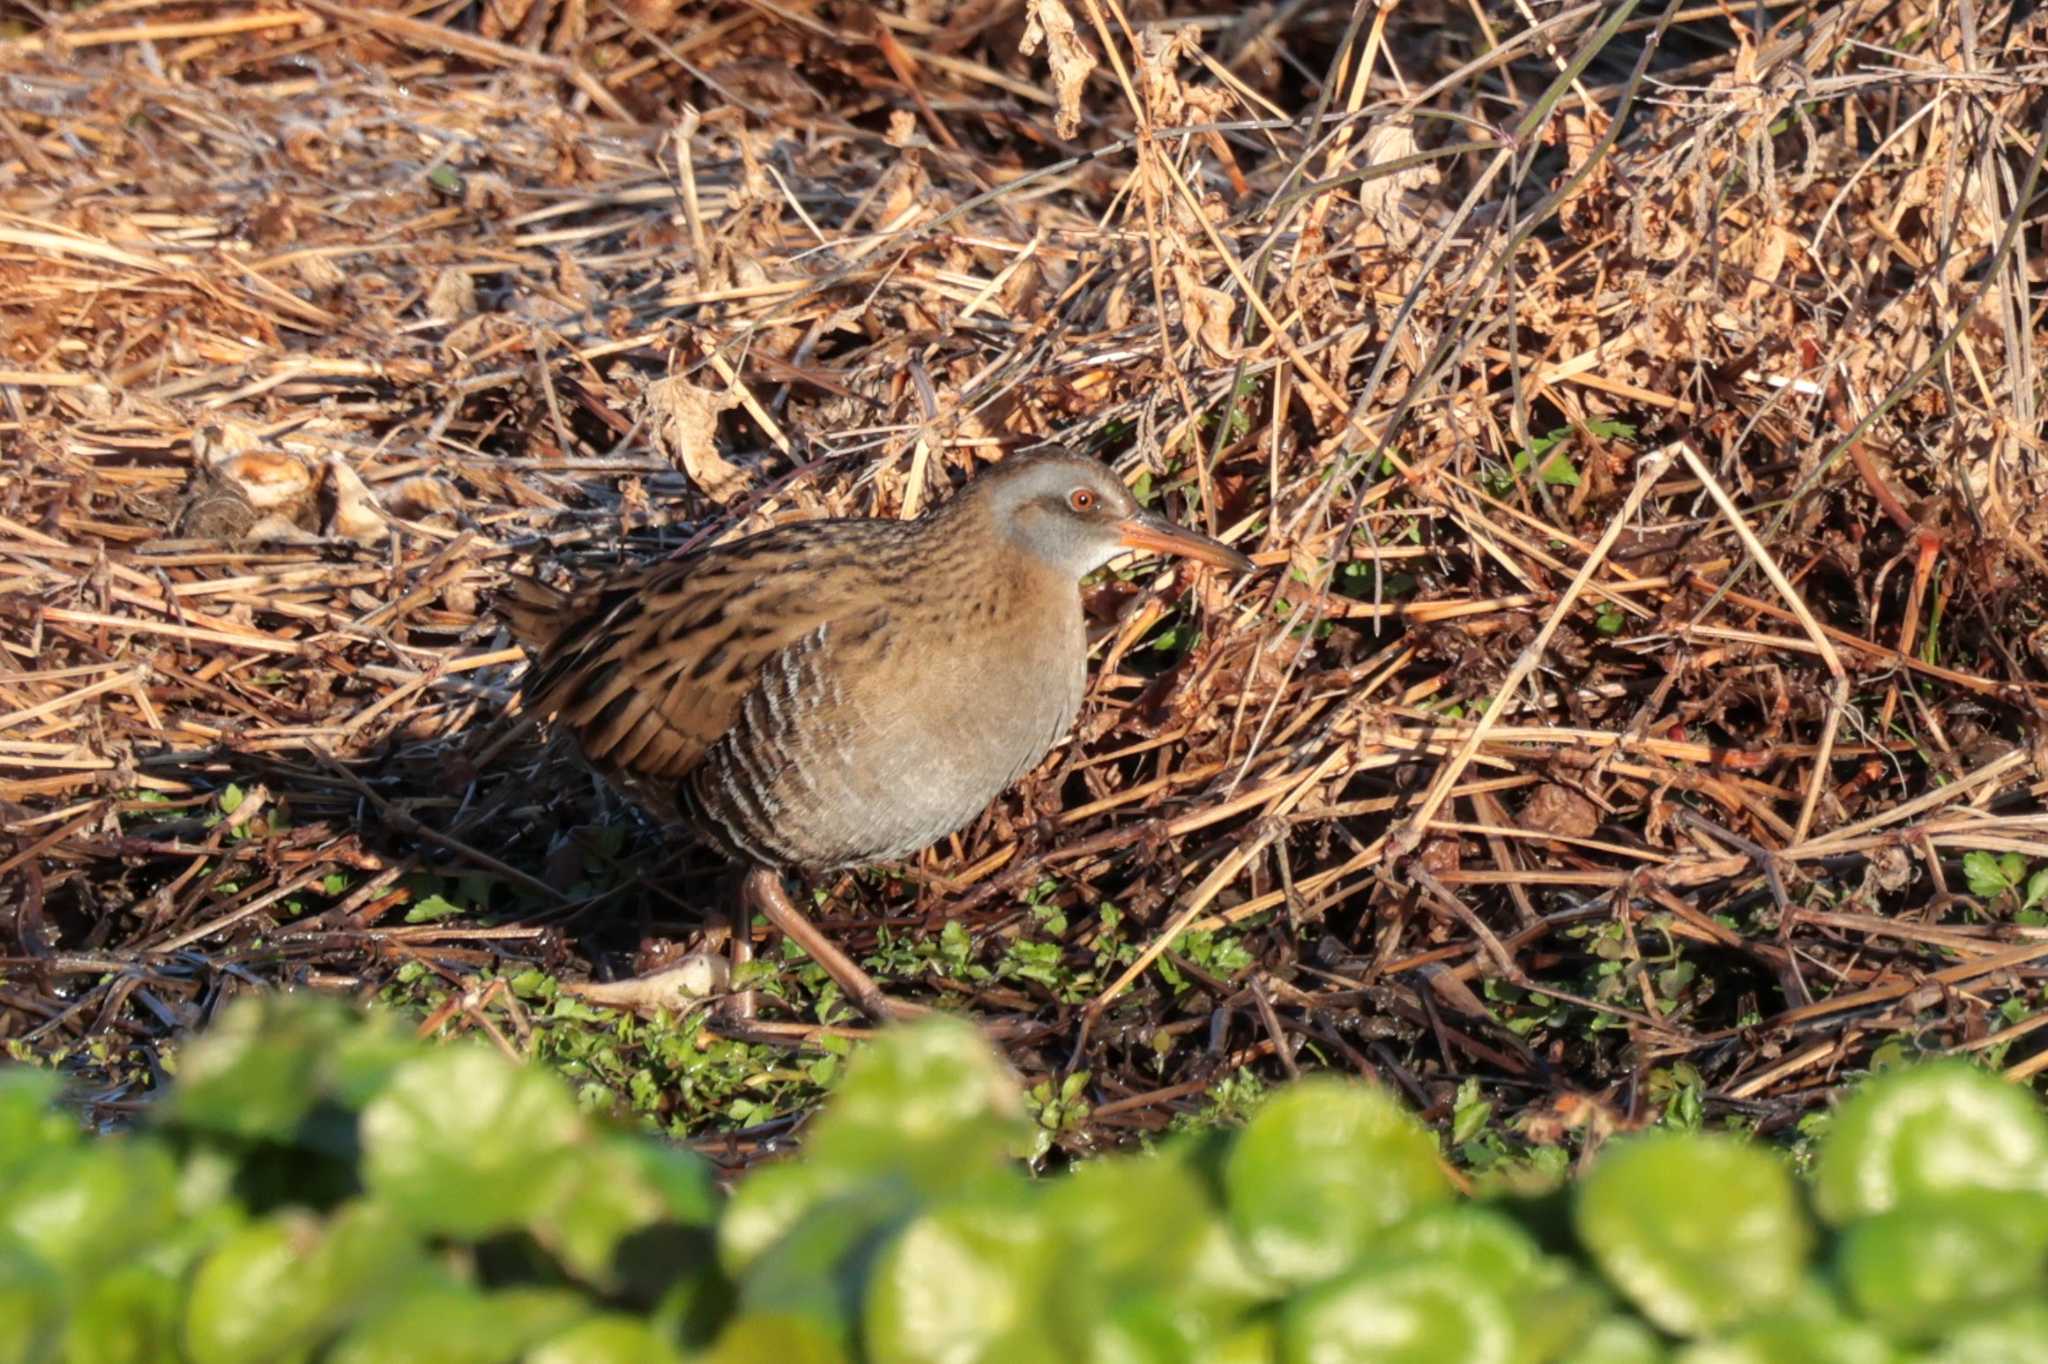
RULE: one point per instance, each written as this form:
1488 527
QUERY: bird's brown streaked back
836 692
651 667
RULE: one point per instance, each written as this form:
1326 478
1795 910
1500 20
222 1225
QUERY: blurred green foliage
318 1186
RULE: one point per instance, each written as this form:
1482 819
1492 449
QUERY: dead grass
1637 417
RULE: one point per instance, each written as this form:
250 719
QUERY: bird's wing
649 669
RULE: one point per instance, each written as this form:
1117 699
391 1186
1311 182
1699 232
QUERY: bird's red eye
1082 499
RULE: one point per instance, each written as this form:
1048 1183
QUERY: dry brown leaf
1047 22
1208 313
461 597
1117 312
452 297
421 496
904 186
573 280
272 481
216 441
570 26
1890 869
1441 854
1019 293
473 333
651 14
307 148
1557 809
250 497
1385 199
685 420
353 511
1159 53
488 194
319 272
502 17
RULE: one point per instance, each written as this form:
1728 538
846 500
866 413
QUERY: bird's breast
926 720
991 697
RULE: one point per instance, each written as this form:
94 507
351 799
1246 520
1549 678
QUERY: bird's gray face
1074 513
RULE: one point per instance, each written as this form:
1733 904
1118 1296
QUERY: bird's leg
763 890
740 951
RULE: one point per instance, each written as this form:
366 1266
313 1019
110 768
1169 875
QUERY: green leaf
247 1075
1321 1170
1917 1270
130 1316
1419 1313
624 1210
250 1302
1145 1327
767 1204
681 1178
367 1250
1480 1240
29 1125
464 1142
1796 1340
1925 1132
454 1325
819 1269
445 179
1688 1262
1557 471
956 1280
614 1339
763 1339
85 1209
1254 1342
2020 1336
1141 1219
1550 1305
231 799
2037 889
281 1285
209 1210
1143 1233
357 1066
930 1102
1617 1340
1991 875
1470 1115
265 1063
31 1304
429 908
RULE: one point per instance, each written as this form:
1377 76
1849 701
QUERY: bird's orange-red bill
1163 537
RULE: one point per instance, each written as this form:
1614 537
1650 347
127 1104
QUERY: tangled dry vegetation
1635 414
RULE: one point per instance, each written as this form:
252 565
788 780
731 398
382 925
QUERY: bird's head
1075 514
